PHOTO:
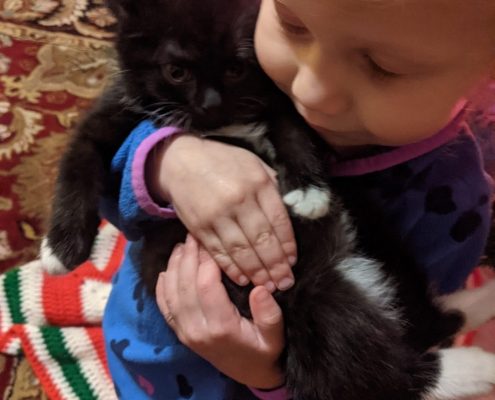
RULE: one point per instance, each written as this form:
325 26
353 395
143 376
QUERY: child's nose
325 93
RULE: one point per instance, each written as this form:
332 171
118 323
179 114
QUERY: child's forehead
445 20
401 8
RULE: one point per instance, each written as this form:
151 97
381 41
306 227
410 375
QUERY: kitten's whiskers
251 101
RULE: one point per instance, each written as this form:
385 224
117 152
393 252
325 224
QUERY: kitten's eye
235 72
176 73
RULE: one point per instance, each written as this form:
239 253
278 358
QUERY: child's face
388 72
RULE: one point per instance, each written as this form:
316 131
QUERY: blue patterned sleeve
134 204
442 210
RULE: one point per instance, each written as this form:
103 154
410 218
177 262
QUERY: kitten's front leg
82 175
74 222
299 163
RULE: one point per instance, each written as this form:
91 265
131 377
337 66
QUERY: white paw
312 202
465 371
50 261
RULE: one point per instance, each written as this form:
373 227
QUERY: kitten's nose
209 113
211 100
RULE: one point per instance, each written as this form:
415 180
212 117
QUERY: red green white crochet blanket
55 321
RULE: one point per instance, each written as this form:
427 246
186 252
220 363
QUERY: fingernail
270 286
263 295
292 261
243 280
285 283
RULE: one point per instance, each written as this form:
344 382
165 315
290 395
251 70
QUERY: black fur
340 344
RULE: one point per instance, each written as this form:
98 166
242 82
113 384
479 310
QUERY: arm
438 206
450 234
133 204
83 173
192 298
224 195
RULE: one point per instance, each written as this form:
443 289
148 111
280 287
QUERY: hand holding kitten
228 199
193 300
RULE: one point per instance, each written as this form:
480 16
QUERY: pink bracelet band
138 173
277 394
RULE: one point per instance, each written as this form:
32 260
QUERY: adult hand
229 200
193 299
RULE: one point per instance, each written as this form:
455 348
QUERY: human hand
228 199
193 299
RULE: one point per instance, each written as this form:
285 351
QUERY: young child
391 86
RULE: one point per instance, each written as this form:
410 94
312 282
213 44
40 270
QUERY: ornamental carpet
54 59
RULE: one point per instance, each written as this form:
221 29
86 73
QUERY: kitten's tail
340 347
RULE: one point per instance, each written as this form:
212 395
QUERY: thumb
267 316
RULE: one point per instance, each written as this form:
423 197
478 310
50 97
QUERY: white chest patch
368 277
255 134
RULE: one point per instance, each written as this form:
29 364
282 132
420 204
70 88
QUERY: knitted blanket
56 321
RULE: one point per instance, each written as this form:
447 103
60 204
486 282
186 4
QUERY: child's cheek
274 54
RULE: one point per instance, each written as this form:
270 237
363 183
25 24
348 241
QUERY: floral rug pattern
47 78
88 18
55 58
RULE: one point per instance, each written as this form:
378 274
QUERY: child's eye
293 29
378 71
289 23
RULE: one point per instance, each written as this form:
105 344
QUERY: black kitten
355 328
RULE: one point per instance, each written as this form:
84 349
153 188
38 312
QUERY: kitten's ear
122 8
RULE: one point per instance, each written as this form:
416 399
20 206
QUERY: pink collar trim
397 155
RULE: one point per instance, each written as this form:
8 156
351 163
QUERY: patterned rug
54 59
53 62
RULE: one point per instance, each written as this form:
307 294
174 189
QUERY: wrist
142 150
268 380
155 172
168 164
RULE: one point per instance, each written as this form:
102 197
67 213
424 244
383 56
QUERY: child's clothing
435 194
